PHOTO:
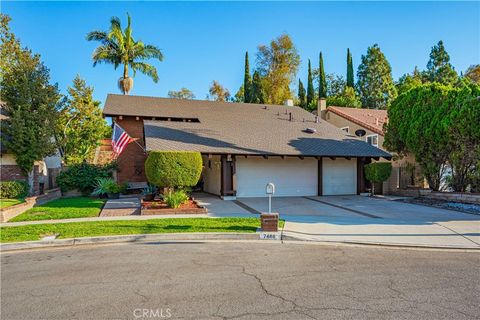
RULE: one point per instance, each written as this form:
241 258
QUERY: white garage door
291 176
339 176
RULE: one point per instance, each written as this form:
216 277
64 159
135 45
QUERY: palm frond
146 69
105 54
153 52
97 36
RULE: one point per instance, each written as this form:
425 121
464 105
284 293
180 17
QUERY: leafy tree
377 172
375 83
277 65
409 81
350 75
10 46
247 82
310 89
240 95
217 92
301 95
118 47
30 102
322 82
439 68
335 84
473 73
347 98
418 123
258 93
183 93
464 135
81 125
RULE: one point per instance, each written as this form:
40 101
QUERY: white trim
348 129
372 135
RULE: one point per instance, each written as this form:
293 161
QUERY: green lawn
104 228
63 208
9 202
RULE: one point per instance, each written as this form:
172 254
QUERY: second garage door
291 176
339 176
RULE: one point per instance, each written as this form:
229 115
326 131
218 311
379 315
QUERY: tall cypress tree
258 93
322 82
301 94
247 82
310 89
350 80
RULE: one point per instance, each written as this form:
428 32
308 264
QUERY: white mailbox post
270 190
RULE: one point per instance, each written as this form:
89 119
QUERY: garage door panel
291 176
339 176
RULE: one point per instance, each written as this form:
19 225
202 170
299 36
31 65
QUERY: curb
292 239
16 246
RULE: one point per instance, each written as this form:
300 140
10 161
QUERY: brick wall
11 172
131 163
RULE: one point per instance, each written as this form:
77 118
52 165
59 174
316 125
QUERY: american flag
120 139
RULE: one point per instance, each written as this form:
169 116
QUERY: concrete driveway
360 219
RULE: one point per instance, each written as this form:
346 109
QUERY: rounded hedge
378 171
173 168
13 189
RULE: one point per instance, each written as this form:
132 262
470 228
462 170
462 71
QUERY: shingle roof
237 128
368 118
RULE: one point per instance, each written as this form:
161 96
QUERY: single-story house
368 125
244 146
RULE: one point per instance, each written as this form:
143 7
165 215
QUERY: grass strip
5 203
126 227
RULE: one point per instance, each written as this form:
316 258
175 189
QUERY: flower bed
161 207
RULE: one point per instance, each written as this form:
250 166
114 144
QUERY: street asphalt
239 280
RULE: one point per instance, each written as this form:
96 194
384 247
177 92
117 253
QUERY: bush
83 177
377 172
173 168
107 185
13 189
176 198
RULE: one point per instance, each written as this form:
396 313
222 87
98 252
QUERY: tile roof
371 119
237 128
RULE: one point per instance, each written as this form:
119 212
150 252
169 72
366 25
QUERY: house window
372 139
345 129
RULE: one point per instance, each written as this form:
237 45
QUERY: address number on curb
270 236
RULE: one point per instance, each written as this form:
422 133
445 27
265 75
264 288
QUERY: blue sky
203 41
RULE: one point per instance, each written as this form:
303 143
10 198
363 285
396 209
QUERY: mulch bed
160 207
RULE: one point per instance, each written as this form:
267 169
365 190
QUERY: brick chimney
322 108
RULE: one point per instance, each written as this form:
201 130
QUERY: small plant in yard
13 189
175 199
109 187
377 172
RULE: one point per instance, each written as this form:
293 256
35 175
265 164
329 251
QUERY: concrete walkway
121 207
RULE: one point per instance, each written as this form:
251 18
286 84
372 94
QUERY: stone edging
13 211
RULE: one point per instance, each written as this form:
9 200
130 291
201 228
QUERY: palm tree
119 48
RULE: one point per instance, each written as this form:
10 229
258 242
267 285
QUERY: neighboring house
43 175
244 146
371 121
